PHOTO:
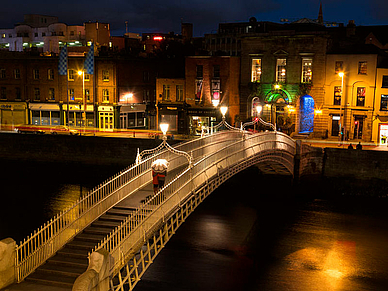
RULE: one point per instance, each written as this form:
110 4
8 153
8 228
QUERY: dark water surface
253 233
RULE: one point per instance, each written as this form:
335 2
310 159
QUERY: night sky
165 16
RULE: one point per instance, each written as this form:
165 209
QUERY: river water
252 233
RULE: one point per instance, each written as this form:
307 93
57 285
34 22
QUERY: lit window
18 93
105 75
71 94
362 68
86 77
71 75
105 95
50 74
384 103
360 96
51 94
307 70
179 93
337 95
87 94
256 70
166 93
281 70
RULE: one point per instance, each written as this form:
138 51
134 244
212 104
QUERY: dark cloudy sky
166 15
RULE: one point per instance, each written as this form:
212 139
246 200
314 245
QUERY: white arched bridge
110 236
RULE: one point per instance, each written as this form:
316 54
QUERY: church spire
320 15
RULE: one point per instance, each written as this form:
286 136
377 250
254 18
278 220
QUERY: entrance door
335 123
106 121
383 134
358 126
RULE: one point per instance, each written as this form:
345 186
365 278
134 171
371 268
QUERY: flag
62 63
89 61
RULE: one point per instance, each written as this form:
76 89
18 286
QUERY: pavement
337 144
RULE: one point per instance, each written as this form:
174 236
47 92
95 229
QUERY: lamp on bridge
164 144
259 108
223 109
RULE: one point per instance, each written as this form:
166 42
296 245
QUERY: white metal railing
54 234
131 234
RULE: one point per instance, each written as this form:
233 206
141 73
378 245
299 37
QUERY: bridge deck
61 270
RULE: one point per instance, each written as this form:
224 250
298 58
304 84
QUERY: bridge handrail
54 234
134 228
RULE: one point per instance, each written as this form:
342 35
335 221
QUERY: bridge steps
72 260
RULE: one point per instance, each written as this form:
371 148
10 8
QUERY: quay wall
88 150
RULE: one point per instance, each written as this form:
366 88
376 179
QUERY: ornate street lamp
259 108
163 145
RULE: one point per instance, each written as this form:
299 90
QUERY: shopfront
13 113
201 120
132 116
383 133
44 114
174 115
76 115
106 118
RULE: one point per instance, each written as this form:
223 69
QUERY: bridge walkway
62 269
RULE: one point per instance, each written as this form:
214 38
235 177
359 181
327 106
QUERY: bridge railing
131 234
54 234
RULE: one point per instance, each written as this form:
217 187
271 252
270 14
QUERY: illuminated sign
158 38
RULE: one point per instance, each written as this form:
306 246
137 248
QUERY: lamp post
341 74
164 144
83 97
223 109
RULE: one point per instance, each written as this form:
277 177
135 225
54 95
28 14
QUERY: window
18 93
337 95
384 103
307 70
385 82
3 35
281 70
50 74
10 35
16 73
71 75
36 94
51 94
339 66
216 71
87 94
36 34
71 94
166 93
86 77
179 93
3 93
360 96
72 33
199 71
105 95
256 70
105 75
3 74
43 34
362 68
35 73
146 95
146 76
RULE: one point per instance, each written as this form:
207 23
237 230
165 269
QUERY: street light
83 96
223 109
164 144
341 75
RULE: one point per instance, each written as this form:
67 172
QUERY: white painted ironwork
54 234
127 240
258 119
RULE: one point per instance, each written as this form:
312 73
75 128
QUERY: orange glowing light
158 38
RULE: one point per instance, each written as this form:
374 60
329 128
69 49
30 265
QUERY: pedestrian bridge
121 255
